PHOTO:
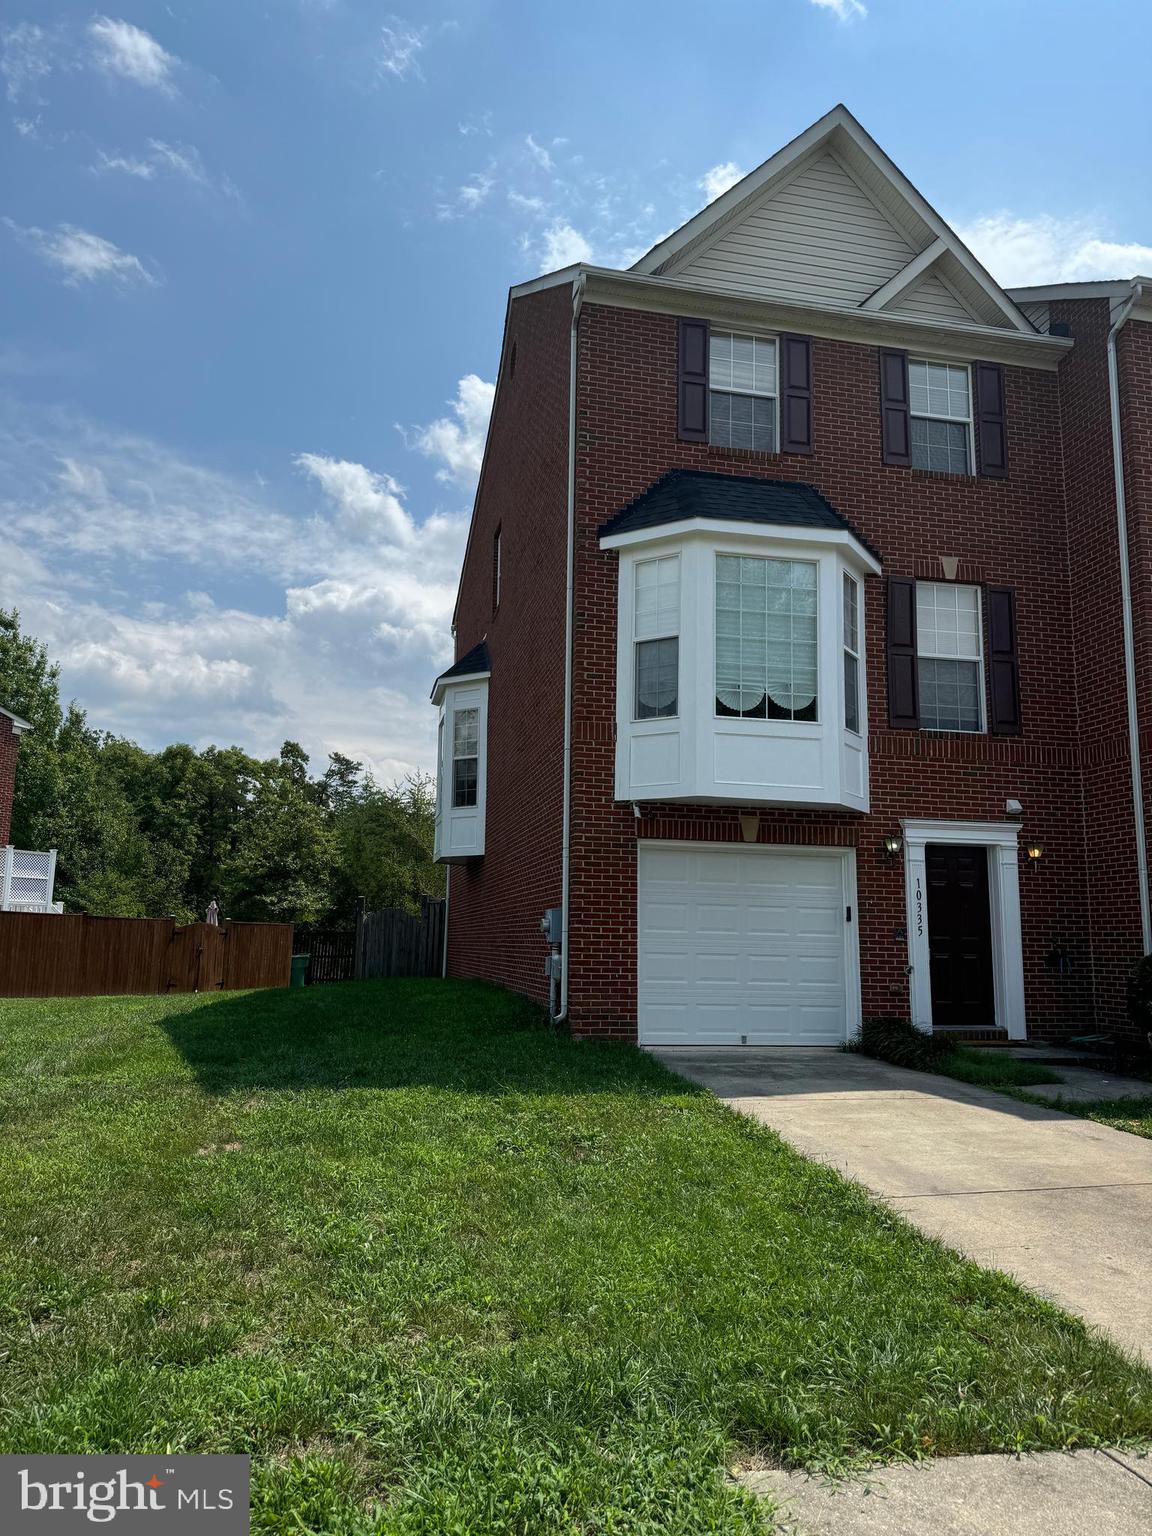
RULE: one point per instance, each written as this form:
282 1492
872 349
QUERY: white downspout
578 286
1126 606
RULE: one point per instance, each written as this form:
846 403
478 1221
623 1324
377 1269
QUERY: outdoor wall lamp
1035 853
892 846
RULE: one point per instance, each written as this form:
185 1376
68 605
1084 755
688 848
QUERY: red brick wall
9 745
1012 532
495 903
1112 913
1134 366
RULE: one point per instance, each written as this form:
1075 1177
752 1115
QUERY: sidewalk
1050 1495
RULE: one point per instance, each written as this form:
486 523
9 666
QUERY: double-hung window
742 382
766 661
465 757
656 639
940 396
851 653
949 657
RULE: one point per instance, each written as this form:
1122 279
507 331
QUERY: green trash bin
299 969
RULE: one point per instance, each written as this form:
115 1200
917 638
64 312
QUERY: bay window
465 757
656 638
766 638
740 654
851 653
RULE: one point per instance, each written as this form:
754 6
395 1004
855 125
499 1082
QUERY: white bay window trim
656 638
461 768
700 756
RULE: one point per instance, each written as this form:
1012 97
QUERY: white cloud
843 10
400 47
719 179
541 156
1045 249
477 125
469 198
562 246
119 48
369 505
27 57
325 621
82 256
160 160
458 440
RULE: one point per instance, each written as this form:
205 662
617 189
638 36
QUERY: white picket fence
27 880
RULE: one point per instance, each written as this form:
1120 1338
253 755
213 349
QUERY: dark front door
960 937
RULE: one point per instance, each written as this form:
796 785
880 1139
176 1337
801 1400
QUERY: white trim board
1001 839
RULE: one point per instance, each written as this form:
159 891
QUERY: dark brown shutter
1003 665
991 437
903 694
795 394
895 422
693 382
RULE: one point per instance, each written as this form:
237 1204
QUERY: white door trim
847 856
1000 839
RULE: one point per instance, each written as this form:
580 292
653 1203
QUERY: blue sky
254 259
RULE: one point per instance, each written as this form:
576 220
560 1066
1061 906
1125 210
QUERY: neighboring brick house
11 730
791 632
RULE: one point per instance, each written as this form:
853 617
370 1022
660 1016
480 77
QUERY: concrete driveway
1063 1204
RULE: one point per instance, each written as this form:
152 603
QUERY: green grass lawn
993 1069
1133 1115
442 1271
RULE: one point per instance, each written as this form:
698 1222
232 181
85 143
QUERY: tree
283 864
385 847
142 833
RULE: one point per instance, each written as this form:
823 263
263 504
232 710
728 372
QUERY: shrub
901 1043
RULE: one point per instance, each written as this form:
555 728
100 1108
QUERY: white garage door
742 946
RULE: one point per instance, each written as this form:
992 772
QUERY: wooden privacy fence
331 954
71 955
387 943
393 943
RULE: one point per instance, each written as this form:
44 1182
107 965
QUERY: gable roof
683 494
474 663
831 217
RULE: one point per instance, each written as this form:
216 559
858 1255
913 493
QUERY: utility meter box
552 925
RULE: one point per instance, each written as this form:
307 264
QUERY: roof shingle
690 493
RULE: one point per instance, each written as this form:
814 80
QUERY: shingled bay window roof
684 495
474 663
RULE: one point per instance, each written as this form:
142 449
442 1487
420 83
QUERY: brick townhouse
802 631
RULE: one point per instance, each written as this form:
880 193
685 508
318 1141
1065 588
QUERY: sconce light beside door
892 847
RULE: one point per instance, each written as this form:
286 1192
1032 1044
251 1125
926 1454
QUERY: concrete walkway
1051 1495
1063 1204
1084 1085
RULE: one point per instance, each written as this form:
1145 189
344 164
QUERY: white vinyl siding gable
931 300
819 238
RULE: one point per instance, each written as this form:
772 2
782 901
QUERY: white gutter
578 285
1133 299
